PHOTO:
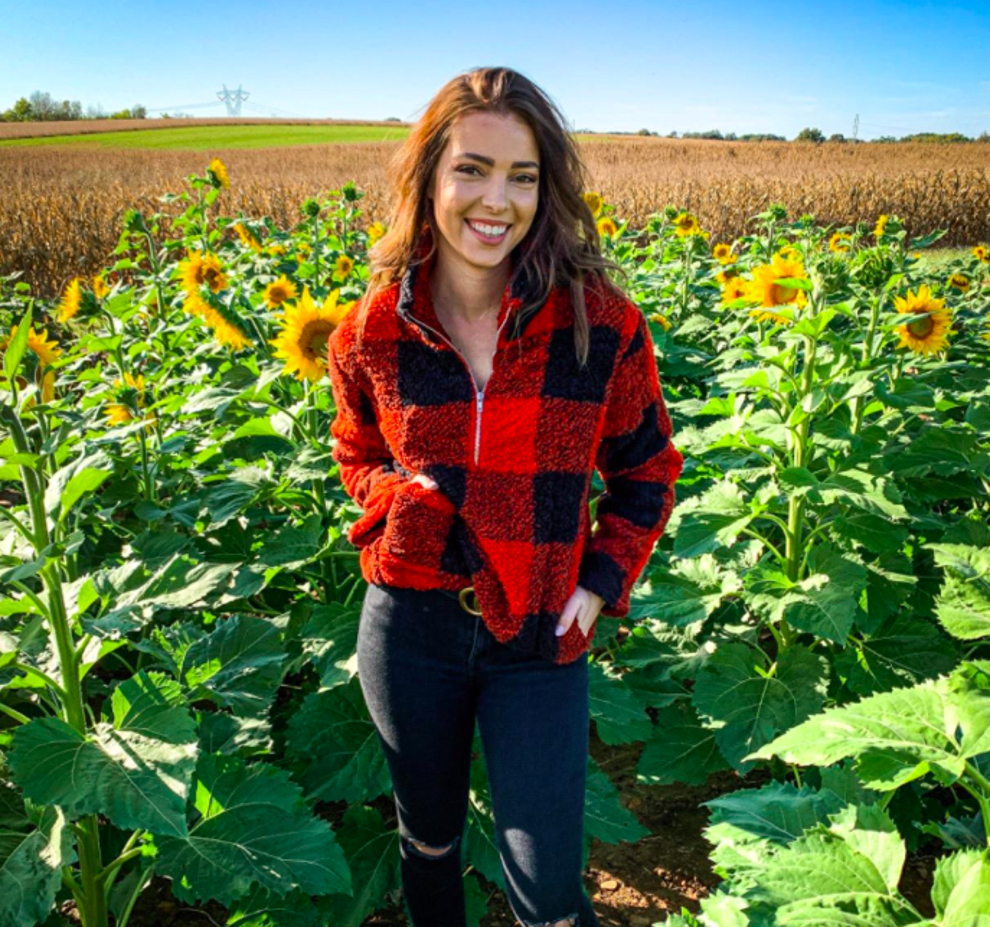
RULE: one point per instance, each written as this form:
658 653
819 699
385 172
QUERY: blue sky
620 65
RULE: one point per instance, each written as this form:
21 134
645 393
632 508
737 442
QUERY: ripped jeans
428 668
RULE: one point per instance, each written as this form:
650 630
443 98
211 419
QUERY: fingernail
560 630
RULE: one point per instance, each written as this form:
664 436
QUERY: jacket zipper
478 393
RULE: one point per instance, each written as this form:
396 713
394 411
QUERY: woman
488 371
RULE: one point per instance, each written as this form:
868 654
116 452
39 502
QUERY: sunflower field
179 610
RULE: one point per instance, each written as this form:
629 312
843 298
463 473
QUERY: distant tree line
40 107
811 135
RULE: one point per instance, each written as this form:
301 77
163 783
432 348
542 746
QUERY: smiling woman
489 369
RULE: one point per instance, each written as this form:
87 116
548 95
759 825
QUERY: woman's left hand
582 605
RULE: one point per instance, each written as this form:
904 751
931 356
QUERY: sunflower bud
134 222
310 208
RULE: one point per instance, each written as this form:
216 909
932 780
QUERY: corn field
61 209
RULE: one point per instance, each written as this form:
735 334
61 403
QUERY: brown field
60 208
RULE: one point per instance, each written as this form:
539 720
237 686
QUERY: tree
837 137
810 135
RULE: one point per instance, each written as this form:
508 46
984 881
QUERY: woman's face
488 176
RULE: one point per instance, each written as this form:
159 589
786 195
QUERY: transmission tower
856 127
233 99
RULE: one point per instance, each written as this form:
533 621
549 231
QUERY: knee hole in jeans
427 851
570 921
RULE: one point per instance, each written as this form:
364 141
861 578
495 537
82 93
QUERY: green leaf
333 735
136 771
329 642
605 817
619 717
680 749
897 735
238 665
752 704
229 497
14 353
33 849
714 520
961 892
372 853
903 651
253 827
292 546
963 605
262 908
825 603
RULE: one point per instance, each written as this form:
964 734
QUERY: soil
630 885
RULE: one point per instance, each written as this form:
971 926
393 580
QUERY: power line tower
233 99
855 134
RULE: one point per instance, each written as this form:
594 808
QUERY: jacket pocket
416 533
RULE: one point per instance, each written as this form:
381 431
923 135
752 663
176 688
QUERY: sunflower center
782 294
314 338
277 295
921 328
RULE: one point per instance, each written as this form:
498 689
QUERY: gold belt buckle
463 597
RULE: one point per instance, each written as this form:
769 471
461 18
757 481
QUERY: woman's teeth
489 231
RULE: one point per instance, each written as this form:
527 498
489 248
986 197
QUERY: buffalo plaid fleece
513 462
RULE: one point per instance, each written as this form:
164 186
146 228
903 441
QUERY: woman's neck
465 290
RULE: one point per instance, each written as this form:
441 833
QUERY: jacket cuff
372 522
600 574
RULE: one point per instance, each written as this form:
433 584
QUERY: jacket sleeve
639 466
368 471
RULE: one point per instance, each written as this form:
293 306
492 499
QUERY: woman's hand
424 481
583 605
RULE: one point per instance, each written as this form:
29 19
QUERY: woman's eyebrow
491 161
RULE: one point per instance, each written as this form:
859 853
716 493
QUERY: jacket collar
415 302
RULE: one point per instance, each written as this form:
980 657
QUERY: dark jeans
428 668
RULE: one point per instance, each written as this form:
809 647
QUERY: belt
463 596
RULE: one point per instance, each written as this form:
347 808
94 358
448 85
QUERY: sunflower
607 227
375 231
199 268
213 273
686 224
279 291
723 253
595 202
764 290
120 413
195 305
225 331
342 268
46 351
982 253
986 335
276 250
302 343
840 242
661 320
960 282
71 300
247 237
220 177
733 288
727 274
100 288
48 387
928 333
880 226
790 252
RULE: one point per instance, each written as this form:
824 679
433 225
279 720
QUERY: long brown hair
561 246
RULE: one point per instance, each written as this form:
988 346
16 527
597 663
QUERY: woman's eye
528 178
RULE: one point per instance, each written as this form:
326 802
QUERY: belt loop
463 599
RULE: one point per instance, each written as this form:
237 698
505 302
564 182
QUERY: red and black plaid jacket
513 462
